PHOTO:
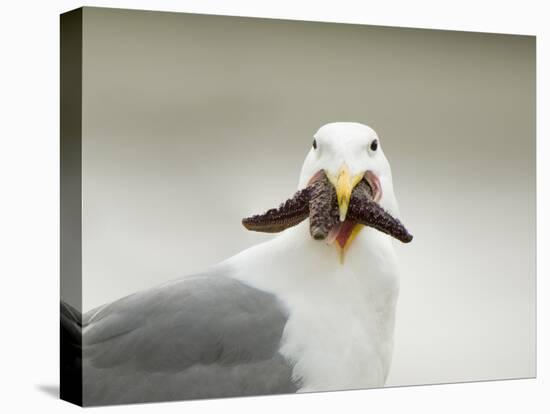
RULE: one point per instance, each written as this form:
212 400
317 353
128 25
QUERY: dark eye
314 144
374 145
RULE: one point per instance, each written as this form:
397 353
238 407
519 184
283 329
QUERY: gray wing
204 336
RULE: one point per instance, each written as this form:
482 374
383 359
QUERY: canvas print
259 206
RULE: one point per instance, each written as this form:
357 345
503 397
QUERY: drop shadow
49 389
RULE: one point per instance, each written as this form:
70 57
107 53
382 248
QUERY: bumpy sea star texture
318 201
364 210
288 214
323 208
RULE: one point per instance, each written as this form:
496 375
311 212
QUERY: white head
347 151
347 154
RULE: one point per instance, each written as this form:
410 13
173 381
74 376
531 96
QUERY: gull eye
314 144
374 145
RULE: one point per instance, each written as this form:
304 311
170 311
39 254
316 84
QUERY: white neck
340 327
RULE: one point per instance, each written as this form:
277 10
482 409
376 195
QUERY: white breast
340 328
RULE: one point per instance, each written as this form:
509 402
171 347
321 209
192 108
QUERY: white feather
340 328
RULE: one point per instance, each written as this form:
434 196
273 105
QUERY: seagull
311 309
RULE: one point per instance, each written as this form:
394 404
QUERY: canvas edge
70 29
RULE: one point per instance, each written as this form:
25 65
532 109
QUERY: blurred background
191 122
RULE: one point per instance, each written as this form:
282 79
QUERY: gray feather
198 337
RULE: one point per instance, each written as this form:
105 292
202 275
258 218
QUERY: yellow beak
344 184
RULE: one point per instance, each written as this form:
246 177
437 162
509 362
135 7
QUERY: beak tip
344 204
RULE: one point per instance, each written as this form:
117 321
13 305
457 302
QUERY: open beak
344 184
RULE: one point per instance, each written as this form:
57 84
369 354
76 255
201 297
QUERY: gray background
191 122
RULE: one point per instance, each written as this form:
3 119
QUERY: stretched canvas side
71 205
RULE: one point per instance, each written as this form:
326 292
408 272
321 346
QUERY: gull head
345 184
